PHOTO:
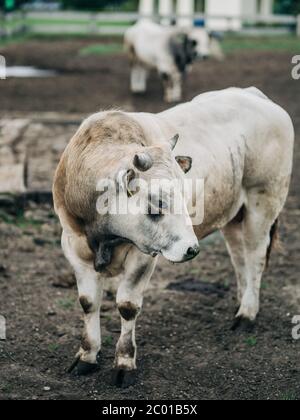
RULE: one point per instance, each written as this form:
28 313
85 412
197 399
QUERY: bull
168 50
237 141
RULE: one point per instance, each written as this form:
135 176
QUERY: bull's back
221 119
238 139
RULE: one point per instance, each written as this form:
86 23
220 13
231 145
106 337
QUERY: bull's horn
143 162
174 141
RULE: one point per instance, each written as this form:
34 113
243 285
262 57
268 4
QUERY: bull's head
156 219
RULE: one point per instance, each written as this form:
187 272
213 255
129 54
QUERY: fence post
298 25
93 28
24 27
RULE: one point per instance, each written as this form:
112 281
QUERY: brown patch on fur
139 272
85 344
274 236
85 304
97 151
128 311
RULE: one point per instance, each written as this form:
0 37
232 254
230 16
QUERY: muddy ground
186 347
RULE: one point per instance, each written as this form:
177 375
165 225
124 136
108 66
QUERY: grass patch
288 43
102 49
7 389
66 303
230 44
289 396
53 347
13 40
251 342
19 220
108 341
32 22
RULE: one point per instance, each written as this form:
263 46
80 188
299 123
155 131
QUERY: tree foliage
91 4
290 7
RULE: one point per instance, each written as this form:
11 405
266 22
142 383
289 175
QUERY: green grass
66 303
251 342
13 40
108 341
7 389
287 43
32 22
102 49
20 220
289 396
231 43
53 347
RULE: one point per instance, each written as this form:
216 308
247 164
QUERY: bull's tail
274 240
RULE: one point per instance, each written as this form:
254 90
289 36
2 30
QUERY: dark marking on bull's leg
139 273
243 324
274 237
86 304
125 347
128 311
123 378
85 344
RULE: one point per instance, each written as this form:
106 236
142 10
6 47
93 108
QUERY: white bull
239 142
168 50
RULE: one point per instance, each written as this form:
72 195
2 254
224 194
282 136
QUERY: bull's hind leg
90 289
234 236
129 301
139 75
249 242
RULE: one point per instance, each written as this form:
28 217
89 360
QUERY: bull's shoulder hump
230 93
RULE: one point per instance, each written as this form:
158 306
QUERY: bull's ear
143 162
185 163
126 180
174 141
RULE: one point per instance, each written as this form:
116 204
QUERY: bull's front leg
90 289
138 81
172 87
130 294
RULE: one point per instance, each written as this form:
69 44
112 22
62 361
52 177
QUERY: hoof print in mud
243 324
80 368
122 378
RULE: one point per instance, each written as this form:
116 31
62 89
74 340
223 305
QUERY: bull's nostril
192 252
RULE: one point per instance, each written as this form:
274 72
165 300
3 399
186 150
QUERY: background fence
116 23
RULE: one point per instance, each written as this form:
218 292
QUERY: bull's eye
156 212
155 217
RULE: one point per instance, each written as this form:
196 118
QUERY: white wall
249 7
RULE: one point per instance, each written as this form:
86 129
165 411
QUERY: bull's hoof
243 324
81 368
122 378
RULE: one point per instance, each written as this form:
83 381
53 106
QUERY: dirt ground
186 349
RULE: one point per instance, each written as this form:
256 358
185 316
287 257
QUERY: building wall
234 9
230 8
250 7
